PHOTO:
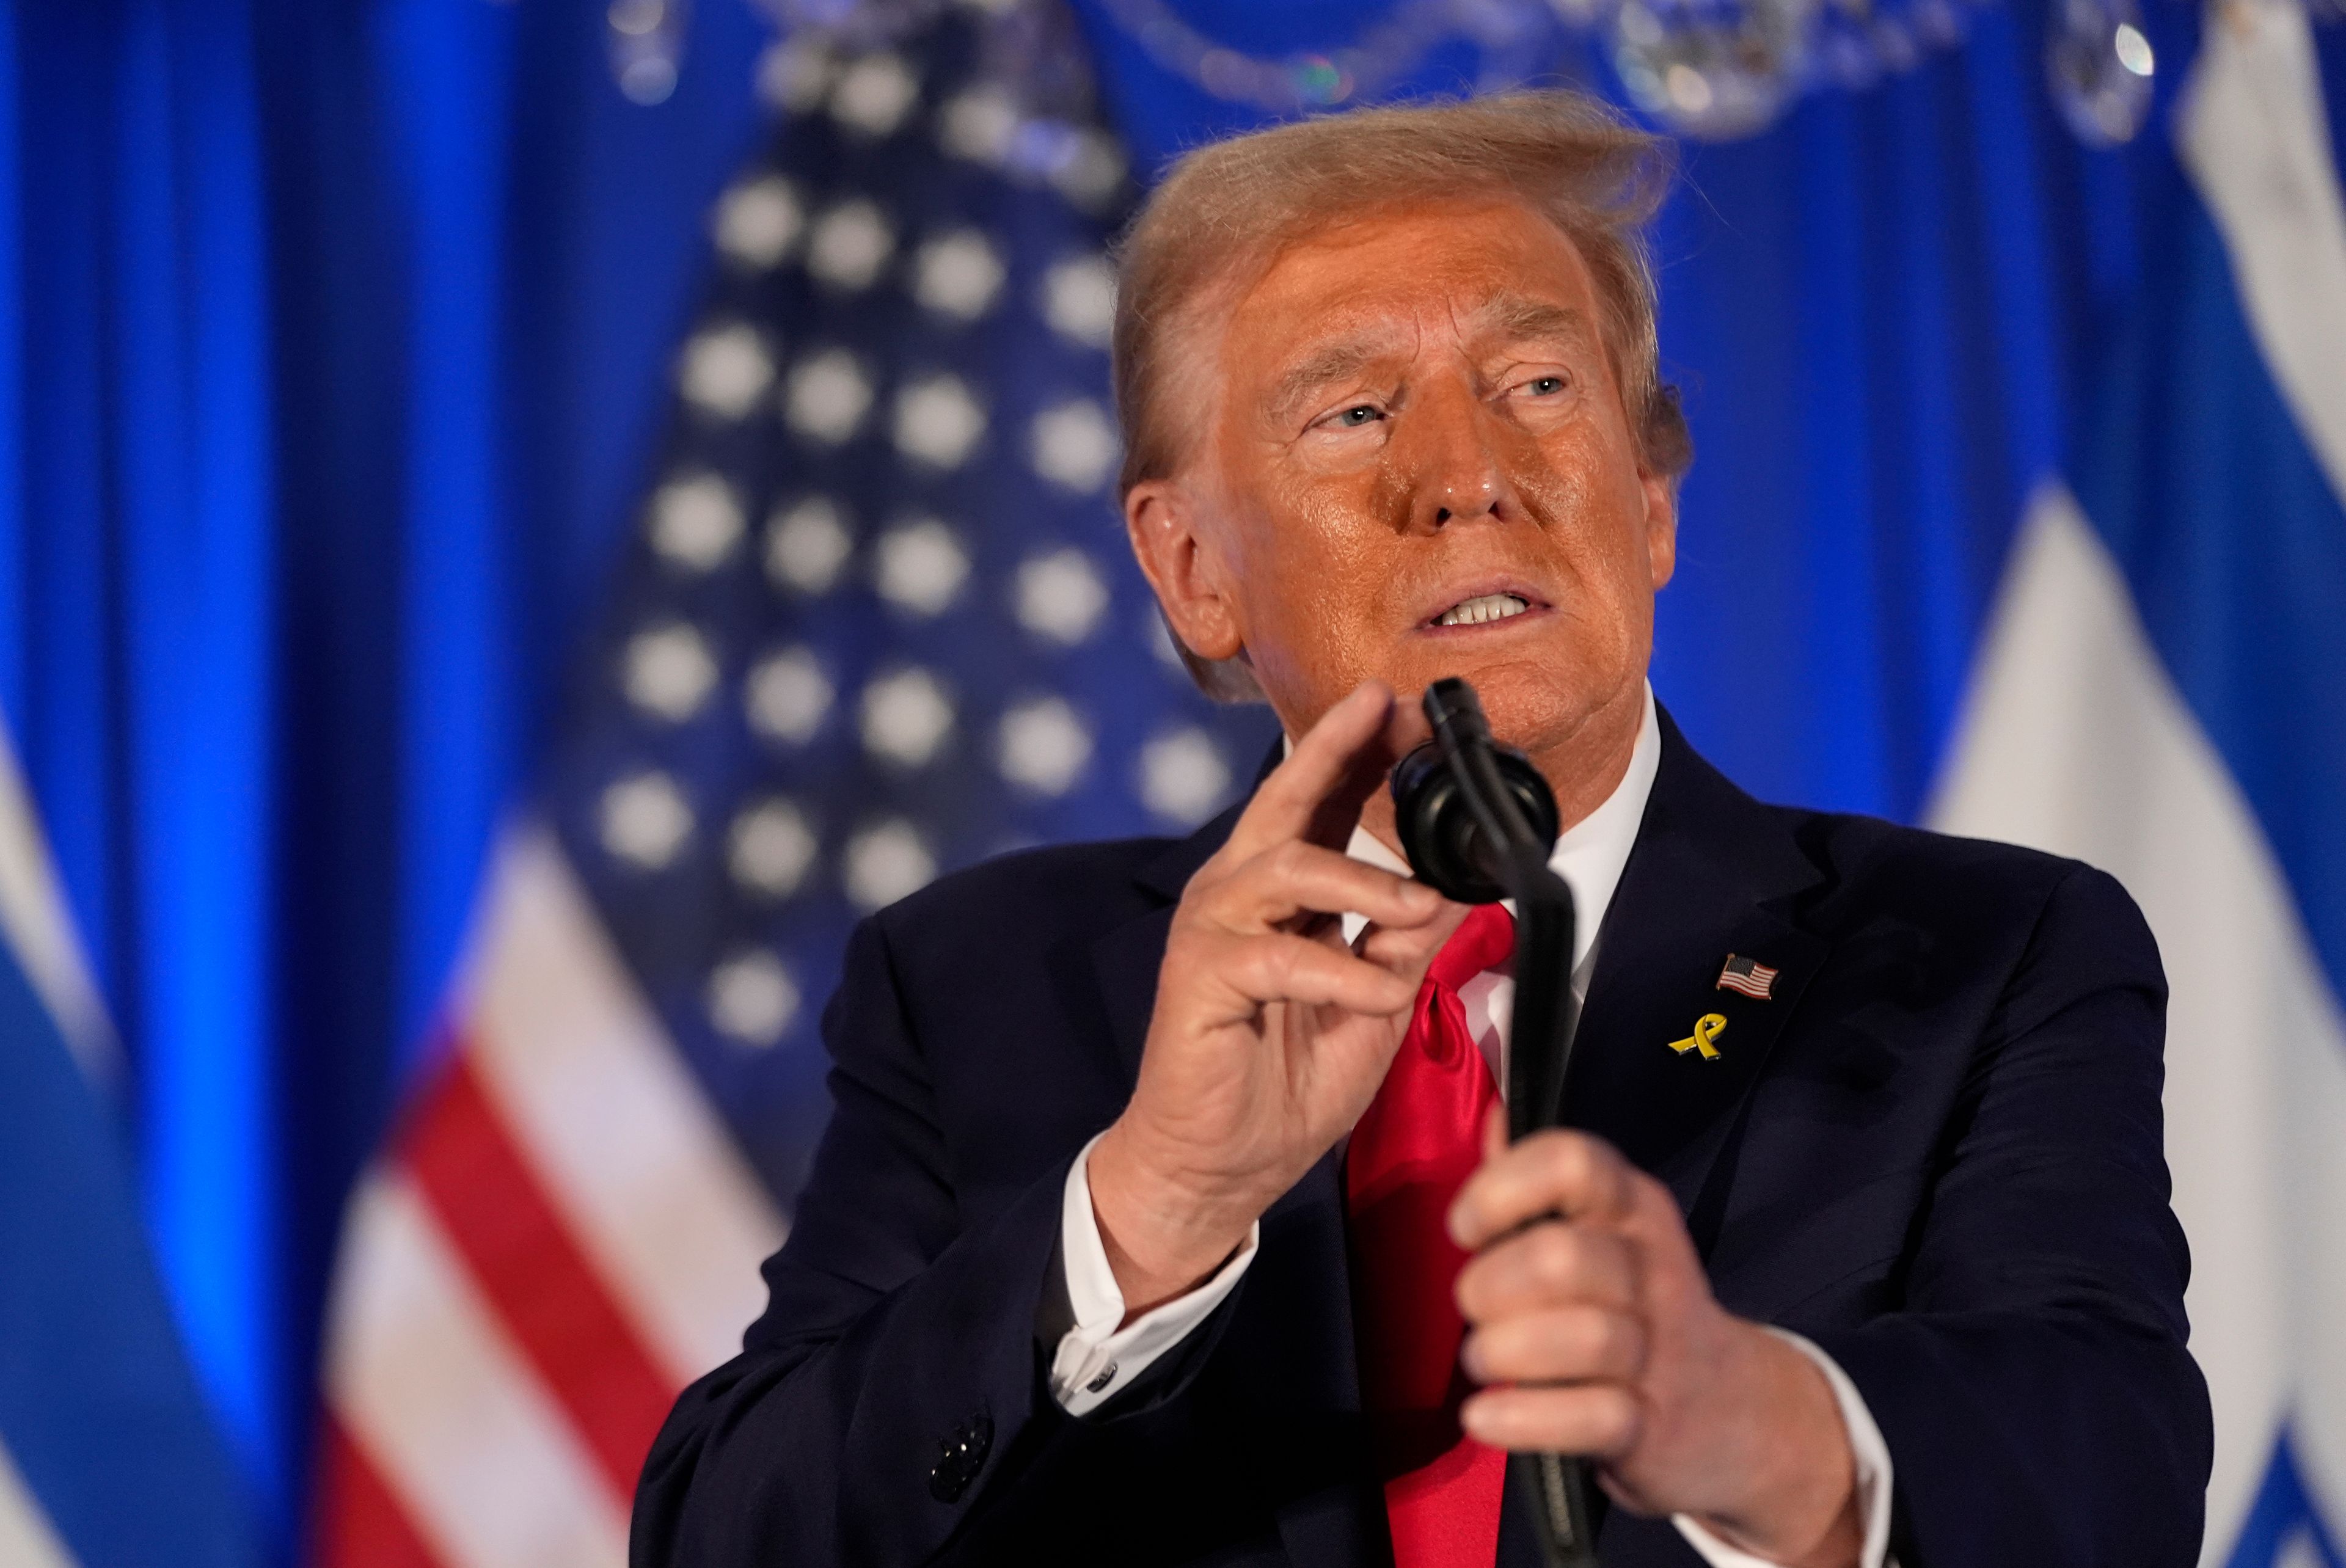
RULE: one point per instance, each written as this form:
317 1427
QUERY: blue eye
1541 386
1358 414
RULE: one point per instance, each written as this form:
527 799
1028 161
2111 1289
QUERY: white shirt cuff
1095 1359
1871 1450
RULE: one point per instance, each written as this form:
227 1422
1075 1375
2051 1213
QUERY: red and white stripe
560 1237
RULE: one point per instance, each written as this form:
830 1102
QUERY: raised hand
1270 1035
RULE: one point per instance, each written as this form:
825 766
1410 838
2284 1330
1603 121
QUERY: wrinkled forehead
1436 275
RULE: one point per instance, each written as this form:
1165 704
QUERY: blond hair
1223 215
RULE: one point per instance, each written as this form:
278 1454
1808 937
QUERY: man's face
1418 466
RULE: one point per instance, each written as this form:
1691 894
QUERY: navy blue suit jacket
1935 1151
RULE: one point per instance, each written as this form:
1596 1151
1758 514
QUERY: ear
1661 526
1185 565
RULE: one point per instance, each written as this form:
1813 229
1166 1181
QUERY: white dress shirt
1096 1356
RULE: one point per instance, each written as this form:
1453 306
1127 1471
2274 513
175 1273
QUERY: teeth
1489 607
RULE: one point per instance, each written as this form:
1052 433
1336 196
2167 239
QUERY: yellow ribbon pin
1707 1029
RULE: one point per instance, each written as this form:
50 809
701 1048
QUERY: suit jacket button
963 1454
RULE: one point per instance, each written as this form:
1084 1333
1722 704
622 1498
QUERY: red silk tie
1417 1143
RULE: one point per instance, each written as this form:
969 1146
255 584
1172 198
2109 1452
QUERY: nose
1451 466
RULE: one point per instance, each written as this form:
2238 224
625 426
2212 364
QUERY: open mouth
1482 609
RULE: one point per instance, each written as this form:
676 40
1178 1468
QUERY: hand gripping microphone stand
1478 823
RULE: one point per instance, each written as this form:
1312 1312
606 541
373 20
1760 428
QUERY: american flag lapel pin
1742 974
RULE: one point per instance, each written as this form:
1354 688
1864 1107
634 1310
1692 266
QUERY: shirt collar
1589 857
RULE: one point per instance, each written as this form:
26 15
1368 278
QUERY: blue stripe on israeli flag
2160 693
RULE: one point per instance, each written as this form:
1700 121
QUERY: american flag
878 621
1743 975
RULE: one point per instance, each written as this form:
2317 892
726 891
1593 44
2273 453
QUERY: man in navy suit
1163 1215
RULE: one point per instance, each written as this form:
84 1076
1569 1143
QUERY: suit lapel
1125 963
1713 874
1126 959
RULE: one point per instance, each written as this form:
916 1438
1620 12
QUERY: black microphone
1478 823
1443 790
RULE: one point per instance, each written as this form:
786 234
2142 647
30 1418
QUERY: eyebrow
1519 319
1516 318
1336 361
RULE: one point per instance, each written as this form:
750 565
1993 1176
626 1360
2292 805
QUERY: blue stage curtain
330 336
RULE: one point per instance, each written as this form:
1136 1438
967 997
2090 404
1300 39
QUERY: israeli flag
2163 692
107 1456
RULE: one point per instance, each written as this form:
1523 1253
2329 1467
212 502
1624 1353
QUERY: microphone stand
1554 1487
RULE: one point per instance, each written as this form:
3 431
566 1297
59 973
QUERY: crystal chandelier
1709 69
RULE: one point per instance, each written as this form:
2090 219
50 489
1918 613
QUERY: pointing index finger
1317 792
